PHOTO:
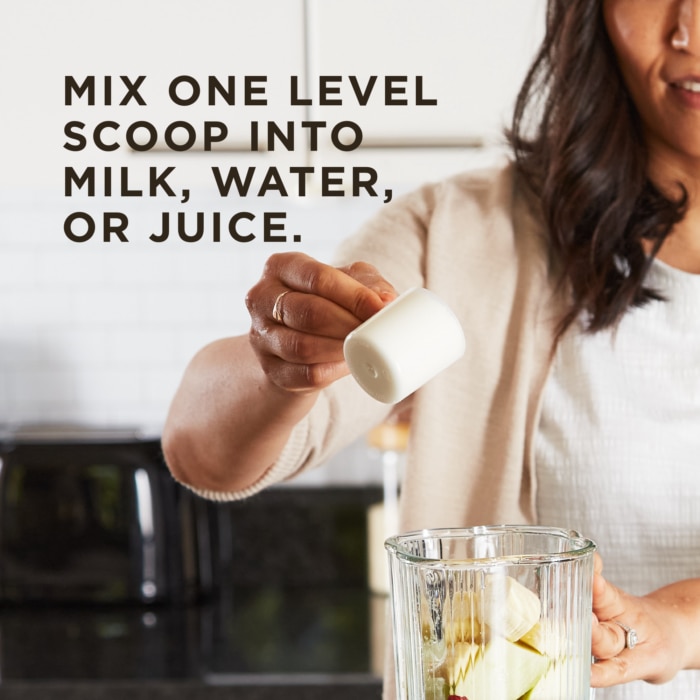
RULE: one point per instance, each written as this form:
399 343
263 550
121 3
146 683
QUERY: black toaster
93 516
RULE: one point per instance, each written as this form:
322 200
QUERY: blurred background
110 574
101 332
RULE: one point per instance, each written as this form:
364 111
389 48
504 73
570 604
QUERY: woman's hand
666 625
301 311
241 397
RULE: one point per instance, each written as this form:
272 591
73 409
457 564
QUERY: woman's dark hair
585 159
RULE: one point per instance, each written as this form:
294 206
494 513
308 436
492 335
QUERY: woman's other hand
665 623
301 310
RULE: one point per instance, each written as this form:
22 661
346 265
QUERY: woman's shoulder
489 188
484 202
494 172
483 196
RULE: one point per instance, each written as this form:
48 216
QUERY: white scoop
404 345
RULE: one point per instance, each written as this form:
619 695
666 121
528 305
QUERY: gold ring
276 308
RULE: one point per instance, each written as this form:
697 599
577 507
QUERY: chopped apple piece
460 621
457 622
549 642
553 685
507 607
536 638
464 654
501 670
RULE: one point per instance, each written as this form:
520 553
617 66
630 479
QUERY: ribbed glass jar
492 613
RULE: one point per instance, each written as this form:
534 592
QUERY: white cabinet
472 56
42 41
467 55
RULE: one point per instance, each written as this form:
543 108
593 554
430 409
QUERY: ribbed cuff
286 466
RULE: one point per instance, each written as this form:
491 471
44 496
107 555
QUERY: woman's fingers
298 377
302 293
627 638
614 663
293 346
607 637
310 313
301 311
616 670
359 289
597 563
607 640
370 277
608 600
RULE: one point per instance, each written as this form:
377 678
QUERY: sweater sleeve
393 241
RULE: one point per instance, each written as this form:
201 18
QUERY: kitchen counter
290 617
285 689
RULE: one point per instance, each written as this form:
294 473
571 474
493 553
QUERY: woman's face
657 43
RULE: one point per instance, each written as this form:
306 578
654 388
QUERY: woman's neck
681 249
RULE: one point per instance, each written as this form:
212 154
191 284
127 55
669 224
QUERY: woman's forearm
241 397
680 603
228 423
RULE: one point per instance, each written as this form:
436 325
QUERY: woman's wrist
678 609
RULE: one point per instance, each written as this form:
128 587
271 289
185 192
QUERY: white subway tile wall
101 332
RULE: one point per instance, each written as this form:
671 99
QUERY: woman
574 272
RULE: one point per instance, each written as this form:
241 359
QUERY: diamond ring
631 638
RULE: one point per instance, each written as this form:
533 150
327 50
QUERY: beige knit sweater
473 240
